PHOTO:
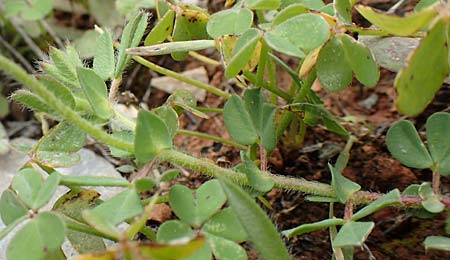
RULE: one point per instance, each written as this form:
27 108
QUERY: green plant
80 99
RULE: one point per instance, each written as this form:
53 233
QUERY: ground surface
398 234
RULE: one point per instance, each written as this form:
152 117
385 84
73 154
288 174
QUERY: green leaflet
427 68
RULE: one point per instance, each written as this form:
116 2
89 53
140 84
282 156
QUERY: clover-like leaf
231 21
333 69
11 207
225 224
404 144
430 200
38 238
225 249
263 4
438 128
361 61
195 211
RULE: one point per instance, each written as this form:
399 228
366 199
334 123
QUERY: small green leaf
257 179
343 9
305 31
263 117
152 136
190 24
343 187
438 126
430 201
125 135
278 43
104 60
59 90
333 69
437 242
393 197
27 184
242 52
361 61
42 235
32 101
427 68
65 64
174 230
231 21
289 12
263 4
209 199
307 228
353 234
225 224
144 184
404 144
47 191
238 122
224 249
11 207
170 174
260 230
161 30
96 92
401 26
58 146
107 215
311 4
131 36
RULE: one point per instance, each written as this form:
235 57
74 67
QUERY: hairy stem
66 112
436 182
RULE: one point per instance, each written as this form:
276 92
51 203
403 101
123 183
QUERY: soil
398 234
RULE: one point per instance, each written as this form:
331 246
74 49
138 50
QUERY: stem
203 58
436 182
210 109
250 76
181 78
66 112
263 158
115 84
78 226
348 211
212 137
